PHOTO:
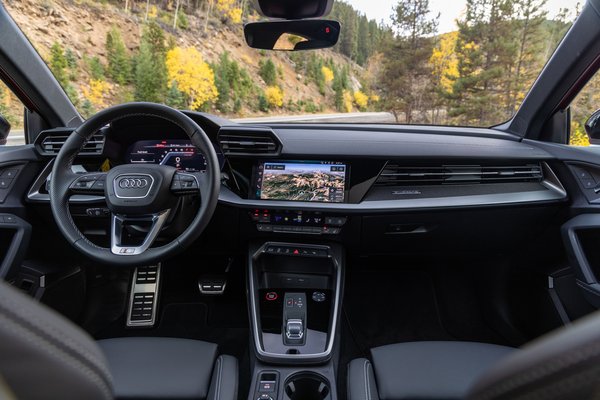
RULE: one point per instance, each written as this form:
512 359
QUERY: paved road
16 137
357 117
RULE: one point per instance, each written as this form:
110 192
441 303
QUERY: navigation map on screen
301 181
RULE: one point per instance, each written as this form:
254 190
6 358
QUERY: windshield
467 63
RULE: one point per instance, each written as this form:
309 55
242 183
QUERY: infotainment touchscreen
318 181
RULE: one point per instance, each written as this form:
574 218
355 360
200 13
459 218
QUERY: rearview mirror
292 35
293 9
4 130
592 127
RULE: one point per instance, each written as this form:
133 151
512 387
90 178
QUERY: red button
271 296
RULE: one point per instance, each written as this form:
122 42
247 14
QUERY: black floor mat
384 307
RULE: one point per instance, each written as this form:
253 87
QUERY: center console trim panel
277 358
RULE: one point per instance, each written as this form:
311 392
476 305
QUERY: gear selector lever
294 319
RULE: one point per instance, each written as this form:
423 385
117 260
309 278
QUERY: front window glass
466 62
582 107
12 114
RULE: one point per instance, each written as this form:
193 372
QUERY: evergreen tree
118 60
341 83
530 17
486 49
58 64
96 68
71 59
150 69
268 72
407 73
175 98
364 45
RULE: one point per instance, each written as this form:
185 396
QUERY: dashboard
178 153
377 183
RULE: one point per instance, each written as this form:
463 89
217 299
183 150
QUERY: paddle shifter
294 319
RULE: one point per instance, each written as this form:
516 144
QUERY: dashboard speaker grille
395 174
248 141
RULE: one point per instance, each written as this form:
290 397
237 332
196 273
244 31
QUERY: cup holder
307 386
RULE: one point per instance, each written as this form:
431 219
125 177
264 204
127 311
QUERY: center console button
319 297
271 296
265 397
267 387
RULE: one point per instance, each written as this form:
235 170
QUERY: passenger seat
561 365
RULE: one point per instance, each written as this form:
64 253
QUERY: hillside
80 28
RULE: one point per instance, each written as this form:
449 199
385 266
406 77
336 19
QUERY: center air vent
241 141
52 142
395 174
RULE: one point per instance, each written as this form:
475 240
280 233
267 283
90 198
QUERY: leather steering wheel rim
62 179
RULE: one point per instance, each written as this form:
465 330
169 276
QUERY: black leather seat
422 370
562 365
168 368
43 356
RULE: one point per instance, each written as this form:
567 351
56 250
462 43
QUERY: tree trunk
209 6
176 14
147 10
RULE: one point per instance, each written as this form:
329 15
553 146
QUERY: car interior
142 258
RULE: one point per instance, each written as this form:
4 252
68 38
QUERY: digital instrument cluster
178 153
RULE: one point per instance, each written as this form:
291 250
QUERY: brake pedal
143 301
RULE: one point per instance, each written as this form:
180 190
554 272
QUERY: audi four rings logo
133 183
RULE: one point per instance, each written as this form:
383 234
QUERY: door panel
18 167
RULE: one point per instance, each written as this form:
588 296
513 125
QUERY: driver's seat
43 355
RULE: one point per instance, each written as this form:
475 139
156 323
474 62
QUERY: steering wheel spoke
88 183
189 183
119 225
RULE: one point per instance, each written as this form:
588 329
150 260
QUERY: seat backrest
564 364
43 355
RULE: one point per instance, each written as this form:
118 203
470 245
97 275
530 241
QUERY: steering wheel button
99 184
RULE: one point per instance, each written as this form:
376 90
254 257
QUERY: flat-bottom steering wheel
135 194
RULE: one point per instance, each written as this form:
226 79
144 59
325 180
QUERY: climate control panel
297 222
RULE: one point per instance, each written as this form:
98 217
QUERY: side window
11 110
582 107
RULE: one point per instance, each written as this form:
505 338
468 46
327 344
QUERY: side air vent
51 142
240 141
395 174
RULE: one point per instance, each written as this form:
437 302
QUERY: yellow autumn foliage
361 100
444 61
193 76
153 12
230 10
578 135
6 96
348 101
274 96
327 74
374 98
96 92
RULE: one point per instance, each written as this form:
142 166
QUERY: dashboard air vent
395 174
53 141
241 141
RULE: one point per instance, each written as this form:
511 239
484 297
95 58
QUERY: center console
295 294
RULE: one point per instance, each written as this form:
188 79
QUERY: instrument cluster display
178 153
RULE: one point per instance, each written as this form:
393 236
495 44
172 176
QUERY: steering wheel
135 194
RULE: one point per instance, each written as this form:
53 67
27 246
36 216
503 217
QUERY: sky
449 10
